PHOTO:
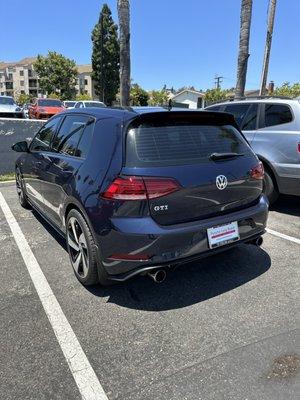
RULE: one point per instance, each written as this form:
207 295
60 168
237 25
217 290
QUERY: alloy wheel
78 248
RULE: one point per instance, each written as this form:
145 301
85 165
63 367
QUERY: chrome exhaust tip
158 276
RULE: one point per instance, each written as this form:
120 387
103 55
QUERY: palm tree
124 24
272 7
246 12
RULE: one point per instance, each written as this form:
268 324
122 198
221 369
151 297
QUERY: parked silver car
272 127
9 108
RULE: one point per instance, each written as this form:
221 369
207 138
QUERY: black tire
20 190
88 270
270 189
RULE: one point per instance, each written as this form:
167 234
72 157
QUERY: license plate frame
221 235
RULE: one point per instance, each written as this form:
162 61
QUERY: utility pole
218 81
264 75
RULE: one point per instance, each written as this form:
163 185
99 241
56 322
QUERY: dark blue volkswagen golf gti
137 191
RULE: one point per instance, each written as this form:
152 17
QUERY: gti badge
161 208
221 182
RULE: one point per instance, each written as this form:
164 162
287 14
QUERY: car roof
47 98
129 113
255 100
90 101
7 97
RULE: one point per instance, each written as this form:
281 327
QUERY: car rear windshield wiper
221 156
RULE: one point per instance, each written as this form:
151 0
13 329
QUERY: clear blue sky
174 42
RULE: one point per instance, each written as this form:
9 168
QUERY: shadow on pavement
188 284
287 205
191 283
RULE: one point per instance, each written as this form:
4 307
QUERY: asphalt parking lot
223 328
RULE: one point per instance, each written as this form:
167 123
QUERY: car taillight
139 188
257 172
298 147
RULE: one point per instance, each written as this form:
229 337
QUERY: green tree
83 96
57 74
213 95
105 57
158 98
23 98
54 95
286 89
138 96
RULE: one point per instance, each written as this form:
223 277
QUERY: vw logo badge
221 182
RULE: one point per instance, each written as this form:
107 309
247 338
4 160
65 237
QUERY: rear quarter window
150 145
277 114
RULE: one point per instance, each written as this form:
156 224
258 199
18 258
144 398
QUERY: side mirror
21 147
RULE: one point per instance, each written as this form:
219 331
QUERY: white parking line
82 371
283 236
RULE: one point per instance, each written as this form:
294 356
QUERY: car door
276 142
245 115
62 163
38 150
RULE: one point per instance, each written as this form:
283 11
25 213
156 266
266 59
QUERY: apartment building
85 83
20 78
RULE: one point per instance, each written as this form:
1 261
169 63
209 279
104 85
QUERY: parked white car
69 103
9 108
89 103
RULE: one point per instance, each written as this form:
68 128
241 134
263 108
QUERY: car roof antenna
170 105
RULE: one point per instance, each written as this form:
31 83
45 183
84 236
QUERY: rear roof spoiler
203 117
210 117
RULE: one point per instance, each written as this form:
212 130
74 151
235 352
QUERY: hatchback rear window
149 145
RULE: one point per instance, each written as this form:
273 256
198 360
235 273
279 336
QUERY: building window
9 85
21 72
32 83
85 82
21 83
30 72
10 76
22 91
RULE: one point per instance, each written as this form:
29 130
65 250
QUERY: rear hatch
201 159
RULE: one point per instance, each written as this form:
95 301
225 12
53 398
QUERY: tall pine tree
106 57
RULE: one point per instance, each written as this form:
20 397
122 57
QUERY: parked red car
45 108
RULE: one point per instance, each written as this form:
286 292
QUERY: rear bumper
176 244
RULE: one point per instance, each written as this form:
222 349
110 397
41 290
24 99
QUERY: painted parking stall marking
82 371
283 236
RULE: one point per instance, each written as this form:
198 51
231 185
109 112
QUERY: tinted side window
77 105
238 110
41 141
86 139
277 114
69 135
249 123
